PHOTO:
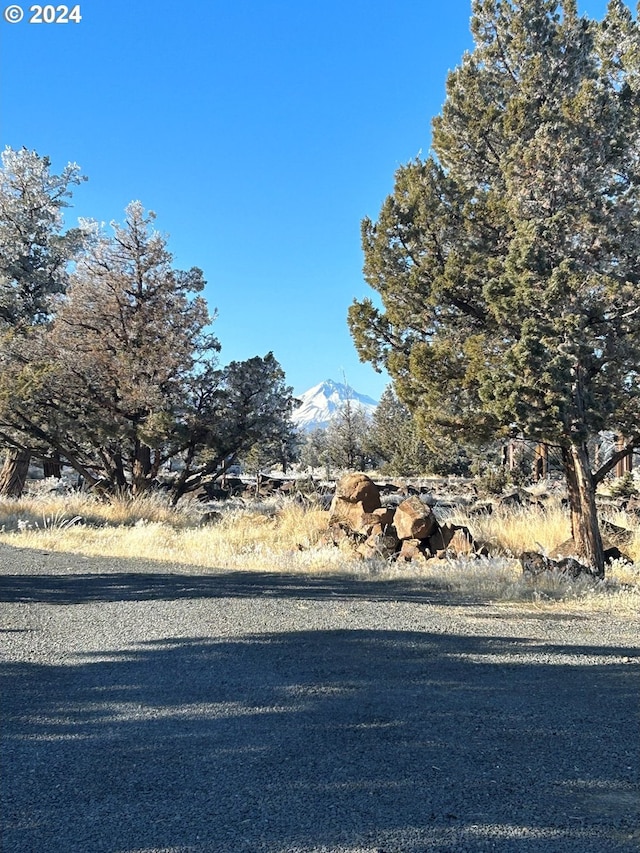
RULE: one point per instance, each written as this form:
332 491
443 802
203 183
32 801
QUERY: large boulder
358 488
356 496
414 520
451 538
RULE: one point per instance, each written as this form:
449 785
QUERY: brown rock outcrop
356 496
414 550
414 520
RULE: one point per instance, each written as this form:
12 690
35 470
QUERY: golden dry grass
47 509
509 532
277 538
514 530
286 537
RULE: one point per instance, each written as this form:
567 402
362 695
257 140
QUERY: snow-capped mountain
321 403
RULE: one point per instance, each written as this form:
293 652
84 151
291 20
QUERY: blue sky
261 133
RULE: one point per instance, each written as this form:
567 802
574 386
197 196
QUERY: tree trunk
141 479
14 472
116 481
582 504
625 465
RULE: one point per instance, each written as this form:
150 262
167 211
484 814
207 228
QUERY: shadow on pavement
319 740
48 580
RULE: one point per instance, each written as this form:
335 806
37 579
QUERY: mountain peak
320 404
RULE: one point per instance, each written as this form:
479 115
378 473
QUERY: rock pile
534 564
406 532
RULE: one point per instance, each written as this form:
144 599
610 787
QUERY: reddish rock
451 538
461 542
441 537
414 520
385 514
379 518
413 550
356 496
358 488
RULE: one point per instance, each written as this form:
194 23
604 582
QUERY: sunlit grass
514 530
283 536
48 509
243 538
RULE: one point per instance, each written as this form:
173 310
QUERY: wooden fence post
625 465
541 462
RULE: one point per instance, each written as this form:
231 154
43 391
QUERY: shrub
623 487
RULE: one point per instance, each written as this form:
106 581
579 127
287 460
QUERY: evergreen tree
314 452
124 377
229 411
394 438
347 438
128 336
34 258
508 262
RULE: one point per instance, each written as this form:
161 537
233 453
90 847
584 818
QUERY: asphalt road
150 708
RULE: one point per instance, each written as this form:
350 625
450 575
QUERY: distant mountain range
321 403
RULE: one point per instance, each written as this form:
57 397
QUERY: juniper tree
394 438
226 413
508 262
124 377
347 443
34 257
126 338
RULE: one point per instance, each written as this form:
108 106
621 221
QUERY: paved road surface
157 709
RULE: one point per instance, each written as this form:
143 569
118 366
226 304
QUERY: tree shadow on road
50 581
323 740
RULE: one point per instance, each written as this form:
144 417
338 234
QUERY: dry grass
45 508
286 537
510 532
516 530
271 536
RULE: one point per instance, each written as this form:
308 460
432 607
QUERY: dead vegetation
284 535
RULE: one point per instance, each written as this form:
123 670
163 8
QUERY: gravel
153 708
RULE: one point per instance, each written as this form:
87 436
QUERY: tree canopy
110 362
34 251
507 263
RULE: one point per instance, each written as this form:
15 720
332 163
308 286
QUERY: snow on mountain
322 402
